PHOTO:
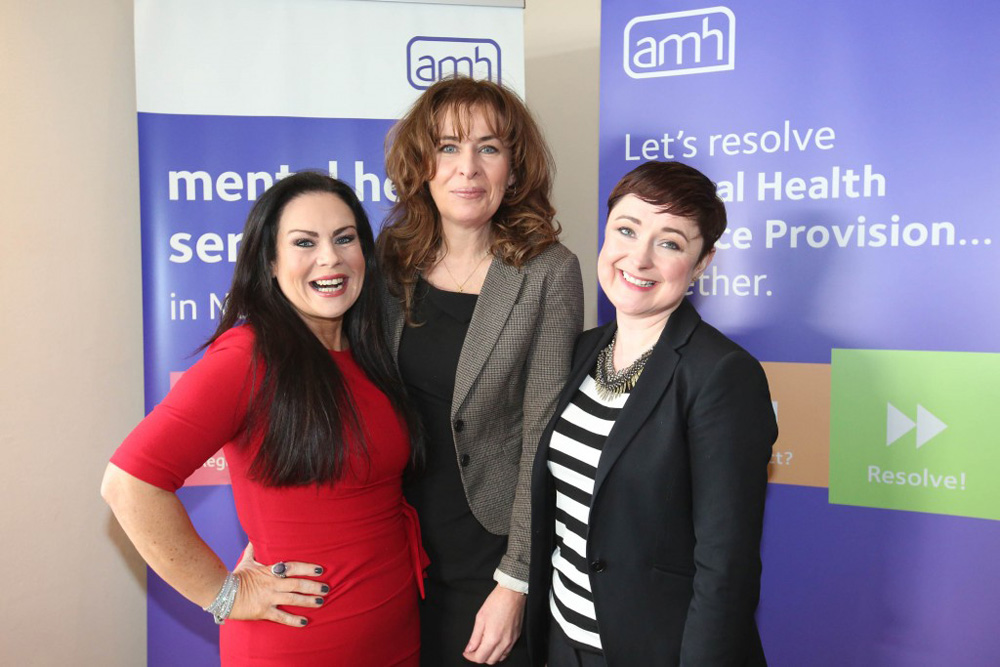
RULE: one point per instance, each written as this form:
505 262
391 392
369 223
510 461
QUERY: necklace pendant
461 285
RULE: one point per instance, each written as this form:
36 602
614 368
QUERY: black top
461 551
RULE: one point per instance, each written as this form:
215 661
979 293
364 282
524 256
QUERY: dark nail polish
324 589
318 570
302 621
319 600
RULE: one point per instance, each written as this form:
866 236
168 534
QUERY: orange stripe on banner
801 394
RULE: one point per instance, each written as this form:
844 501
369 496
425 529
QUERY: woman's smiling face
648 259
319 265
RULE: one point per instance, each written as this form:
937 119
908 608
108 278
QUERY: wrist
510 593
222 605
504 580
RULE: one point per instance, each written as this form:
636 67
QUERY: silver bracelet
222 605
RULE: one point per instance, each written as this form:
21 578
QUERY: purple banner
233 95
856 151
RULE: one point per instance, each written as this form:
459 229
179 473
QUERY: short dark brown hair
679 190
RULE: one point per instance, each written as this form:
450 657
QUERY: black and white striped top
574 451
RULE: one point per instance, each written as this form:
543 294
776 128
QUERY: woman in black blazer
648 487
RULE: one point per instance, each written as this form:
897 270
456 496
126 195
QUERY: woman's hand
498 625
262 590
159 527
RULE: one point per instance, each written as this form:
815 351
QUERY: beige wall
71 330
561 44
71 303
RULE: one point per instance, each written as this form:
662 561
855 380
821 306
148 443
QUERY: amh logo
688 42
430 59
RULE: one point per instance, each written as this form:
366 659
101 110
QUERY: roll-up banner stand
855 144
233 95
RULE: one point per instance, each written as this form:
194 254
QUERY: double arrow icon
897 425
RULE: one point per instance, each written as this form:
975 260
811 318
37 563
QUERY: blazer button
464 460
459 425
598 566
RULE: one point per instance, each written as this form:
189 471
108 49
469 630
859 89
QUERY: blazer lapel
496 299
653 383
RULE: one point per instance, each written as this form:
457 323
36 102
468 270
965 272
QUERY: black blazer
678 504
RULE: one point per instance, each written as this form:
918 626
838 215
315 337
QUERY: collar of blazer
496 299
652 384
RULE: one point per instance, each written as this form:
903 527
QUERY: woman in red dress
298 388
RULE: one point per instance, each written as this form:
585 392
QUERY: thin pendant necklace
461 285
611 383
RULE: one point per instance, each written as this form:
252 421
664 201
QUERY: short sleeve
204 410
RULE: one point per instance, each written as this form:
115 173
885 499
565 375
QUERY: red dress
359 529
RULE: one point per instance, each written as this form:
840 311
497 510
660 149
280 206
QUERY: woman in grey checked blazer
486 305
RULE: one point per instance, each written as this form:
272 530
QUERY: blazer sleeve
548 365
731 428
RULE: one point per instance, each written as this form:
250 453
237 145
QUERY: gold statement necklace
611 383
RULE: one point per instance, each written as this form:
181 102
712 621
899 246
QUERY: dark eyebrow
676 231
488 137
315 235
636 221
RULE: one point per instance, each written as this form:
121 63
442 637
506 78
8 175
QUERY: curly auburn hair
522 227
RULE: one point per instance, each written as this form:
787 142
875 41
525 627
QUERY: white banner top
481 3
225 61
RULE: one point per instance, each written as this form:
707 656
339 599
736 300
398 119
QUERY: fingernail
302 621
319 600
318 570
324 589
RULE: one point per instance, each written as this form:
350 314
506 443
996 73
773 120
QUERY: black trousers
564 654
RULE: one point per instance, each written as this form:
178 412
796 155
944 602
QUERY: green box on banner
916 431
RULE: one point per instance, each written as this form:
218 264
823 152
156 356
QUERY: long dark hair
302 404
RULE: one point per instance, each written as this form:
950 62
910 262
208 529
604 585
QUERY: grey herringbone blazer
514 361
